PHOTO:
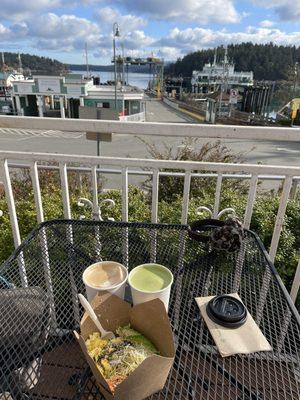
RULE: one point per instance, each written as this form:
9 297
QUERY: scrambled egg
95 345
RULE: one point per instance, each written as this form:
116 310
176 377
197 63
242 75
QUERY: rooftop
111 88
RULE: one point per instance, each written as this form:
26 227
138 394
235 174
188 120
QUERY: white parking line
287 150
44 134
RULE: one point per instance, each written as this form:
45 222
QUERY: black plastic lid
227 311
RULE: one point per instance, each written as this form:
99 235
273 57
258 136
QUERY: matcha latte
150 281
150 278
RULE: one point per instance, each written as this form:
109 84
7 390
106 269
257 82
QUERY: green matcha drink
150 281
150 278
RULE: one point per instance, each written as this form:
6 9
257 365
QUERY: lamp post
116 33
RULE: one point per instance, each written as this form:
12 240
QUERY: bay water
134 78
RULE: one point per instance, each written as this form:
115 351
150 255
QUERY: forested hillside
34 63
267 61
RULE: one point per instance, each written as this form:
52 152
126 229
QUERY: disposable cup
92 286
142 295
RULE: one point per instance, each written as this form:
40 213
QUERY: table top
53 258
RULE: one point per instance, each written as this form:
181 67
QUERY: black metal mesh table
52 259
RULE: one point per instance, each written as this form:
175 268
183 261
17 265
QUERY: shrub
192 150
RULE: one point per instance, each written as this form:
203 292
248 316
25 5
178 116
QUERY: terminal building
74 96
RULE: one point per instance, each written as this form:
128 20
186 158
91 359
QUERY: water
134 78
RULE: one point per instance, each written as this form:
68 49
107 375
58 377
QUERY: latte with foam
104 275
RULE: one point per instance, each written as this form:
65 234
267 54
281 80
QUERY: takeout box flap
111 311
151 319
148 378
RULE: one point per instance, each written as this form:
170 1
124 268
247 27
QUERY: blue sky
169 28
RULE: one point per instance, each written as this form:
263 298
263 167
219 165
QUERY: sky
165 28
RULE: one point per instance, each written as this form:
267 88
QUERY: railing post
182 239
96 209
37 192
11 204
250 201
217 195
280 216
154 212
96 212
125 214
274 244
186 197
14 221
69 234
43 239
65 190
293 192
296 284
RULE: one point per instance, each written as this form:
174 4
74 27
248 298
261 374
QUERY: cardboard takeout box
152 321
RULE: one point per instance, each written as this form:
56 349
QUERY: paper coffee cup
105 276
149 282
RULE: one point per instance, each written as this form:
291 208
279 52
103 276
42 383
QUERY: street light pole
116 33
115 71
123 66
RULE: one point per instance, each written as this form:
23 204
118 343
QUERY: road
276 153
157 111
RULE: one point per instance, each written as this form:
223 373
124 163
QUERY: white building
73 96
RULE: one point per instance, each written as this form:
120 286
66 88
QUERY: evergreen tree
34 64
267 61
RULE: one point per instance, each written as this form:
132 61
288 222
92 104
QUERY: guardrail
156 168
138 117
170 103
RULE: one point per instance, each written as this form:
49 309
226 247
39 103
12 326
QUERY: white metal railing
138 117
221 170
155 168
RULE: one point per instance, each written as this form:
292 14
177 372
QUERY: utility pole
226 71
213 70
224 77
215 57
20 63
4 73
87 61
123 65
180 88
160 74
116 33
